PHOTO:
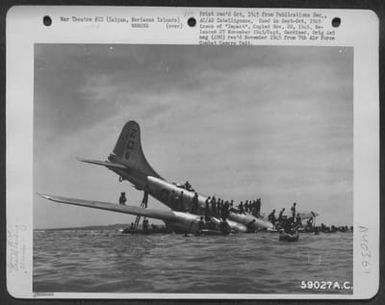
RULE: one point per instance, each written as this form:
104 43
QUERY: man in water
122 199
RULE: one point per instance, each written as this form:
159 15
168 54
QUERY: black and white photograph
192 153
193 169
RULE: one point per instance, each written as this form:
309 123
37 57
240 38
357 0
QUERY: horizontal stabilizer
151 213
104 163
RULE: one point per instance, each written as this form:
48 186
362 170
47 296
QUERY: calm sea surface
107 261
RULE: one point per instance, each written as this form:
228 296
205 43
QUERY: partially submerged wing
151 213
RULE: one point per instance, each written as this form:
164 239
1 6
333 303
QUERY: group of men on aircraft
177 201
253 207
288 224
273 219
216 207
221 208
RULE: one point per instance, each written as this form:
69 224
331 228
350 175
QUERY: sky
267 122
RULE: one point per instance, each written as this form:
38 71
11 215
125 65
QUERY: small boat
283 236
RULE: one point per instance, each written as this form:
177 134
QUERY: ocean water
107 261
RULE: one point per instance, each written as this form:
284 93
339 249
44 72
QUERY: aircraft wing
166 215
103 163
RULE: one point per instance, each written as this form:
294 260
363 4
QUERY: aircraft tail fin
128 150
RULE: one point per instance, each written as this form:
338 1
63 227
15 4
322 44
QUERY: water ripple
104 261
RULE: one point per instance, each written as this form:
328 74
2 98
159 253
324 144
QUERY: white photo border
360 30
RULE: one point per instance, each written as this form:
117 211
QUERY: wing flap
125 209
